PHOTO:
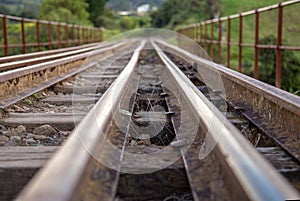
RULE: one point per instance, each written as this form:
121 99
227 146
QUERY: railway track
40 106
155 134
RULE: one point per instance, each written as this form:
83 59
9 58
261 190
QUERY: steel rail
258 179
55 181
51 57
43 53
268 102
284 99
4 76
22 63
17 95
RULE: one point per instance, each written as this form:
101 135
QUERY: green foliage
144 22
175 12
213 8
27 13
96 10
22 8
230 7
108 20
69 11
28 101
107 34
290 66
127 23
39 95
4 10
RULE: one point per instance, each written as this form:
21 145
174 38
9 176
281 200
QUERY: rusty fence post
73 35
197 33
219 41
98 35
82 32
78 35
38 37
186 41
49 36
240 42
86 35
58 35
100 38
23 36
256 44
67 35
198 38
205 37
91 35
278 49
5 40
228 41
201 34
212 40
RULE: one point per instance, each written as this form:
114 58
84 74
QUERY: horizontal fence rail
22 35
216 35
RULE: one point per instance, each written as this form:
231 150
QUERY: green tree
70 11
144 22
213 8
127 23
27 13
96 10
4 10
174 12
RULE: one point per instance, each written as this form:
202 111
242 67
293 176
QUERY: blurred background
118 16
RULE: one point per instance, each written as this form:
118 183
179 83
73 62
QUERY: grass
230 7
108 34
268 26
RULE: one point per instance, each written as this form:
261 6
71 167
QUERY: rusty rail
96 122
230 144
195 31
41 35
14 83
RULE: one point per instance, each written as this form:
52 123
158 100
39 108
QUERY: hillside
17 7
229 7
121 5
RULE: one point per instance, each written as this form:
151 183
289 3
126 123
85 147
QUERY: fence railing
215 35
22 35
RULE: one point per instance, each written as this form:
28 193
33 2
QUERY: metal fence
214 34
21 35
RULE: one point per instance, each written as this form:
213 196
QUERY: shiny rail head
105 65
169 36
259 180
